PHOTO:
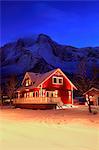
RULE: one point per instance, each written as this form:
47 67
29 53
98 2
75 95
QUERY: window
47 94
50 93
56 93
57 80
60 81
43 92
36 94
26 94
31 94
27 82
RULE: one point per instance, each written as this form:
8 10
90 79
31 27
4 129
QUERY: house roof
42 77
91 89
38 79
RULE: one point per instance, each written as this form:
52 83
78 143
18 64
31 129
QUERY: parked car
80 100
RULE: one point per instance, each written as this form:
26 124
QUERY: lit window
91 98
28 94
31 94
25 94
28 82
56 93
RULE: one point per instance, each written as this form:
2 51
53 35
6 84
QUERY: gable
26 78
92 91
58 73
42 78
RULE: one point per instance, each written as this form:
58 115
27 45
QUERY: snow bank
69 129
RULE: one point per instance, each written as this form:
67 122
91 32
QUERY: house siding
62 89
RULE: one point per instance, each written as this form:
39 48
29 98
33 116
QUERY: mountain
41 54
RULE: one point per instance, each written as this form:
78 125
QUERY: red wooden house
45 90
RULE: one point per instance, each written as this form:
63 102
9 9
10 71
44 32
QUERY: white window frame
57 80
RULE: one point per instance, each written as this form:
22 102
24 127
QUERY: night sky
69 23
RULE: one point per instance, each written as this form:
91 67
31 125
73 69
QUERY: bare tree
83 81
1 95
11 87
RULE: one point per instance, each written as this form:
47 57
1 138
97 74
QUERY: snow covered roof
42 77
91 89
38 78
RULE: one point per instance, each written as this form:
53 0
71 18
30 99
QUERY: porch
37 102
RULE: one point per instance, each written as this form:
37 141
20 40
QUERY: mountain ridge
42 54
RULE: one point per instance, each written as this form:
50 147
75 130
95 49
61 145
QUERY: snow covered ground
69 129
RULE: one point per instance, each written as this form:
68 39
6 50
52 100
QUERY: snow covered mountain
41 54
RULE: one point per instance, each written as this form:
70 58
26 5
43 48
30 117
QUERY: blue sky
73 23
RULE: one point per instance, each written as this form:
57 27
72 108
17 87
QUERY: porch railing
37 100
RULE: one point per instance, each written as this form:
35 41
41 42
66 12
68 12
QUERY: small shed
93 94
